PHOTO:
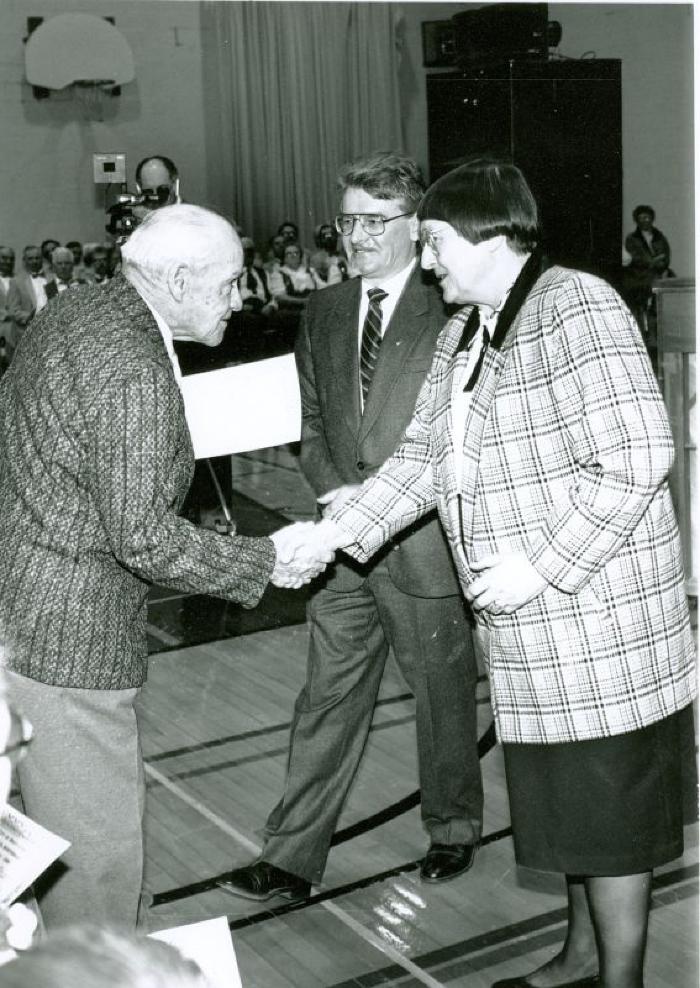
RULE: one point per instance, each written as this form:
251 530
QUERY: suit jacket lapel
342 329
406 325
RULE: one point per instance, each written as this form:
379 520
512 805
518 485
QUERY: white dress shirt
167 335
39 288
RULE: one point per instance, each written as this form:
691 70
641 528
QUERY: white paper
209 944
26 850
251 406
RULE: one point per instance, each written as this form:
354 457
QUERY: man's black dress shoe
592 982
261 881
445 861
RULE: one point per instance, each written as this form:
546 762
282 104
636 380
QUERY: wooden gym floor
215 715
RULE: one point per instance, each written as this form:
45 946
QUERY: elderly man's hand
508 580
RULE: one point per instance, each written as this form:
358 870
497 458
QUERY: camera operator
157 185
157 176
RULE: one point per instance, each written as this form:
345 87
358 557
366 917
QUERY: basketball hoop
90 94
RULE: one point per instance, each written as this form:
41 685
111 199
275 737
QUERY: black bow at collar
533 268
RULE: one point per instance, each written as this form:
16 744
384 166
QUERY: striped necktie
371 339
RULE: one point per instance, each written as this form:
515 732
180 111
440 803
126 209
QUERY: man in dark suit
63 265
95 461
361 358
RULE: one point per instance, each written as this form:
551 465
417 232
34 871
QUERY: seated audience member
290 234
76 249
47 249
10 300
649 260
62 260
31 283
275 253
100 265
291 283
326 264
252 283
91 957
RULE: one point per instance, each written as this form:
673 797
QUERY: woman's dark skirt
611 806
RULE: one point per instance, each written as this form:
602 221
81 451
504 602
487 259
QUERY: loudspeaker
500 32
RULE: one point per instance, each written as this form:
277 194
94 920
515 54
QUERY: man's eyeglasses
18 739
372 223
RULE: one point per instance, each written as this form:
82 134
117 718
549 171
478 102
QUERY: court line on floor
487 741
258 732
493 947
332 908
261 756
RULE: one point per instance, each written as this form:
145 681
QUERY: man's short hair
638 210
167 163
45 243
288 223
485 198
385 175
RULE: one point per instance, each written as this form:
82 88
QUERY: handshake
305 549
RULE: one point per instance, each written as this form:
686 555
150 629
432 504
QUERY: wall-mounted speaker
503 31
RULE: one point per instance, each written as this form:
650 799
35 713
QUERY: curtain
292 91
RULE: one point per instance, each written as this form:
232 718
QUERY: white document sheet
26 850
251 406
208 943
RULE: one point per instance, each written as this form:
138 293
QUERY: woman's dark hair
485 198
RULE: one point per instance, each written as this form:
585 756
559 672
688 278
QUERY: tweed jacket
566 452
340 445
95 461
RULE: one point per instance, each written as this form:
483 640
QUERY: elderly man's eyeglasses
371 223
18 739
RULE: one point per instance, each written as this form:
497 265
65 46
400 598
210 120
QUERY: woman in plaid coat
541 437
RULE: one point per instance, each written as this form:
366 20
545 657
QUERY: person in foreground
95 461
541 435
363 349
93 957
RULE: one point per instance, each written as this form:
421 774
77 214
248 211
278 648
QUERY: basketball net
90 94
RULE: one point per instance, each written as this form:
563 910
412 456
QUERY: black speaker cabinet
560 121
500 30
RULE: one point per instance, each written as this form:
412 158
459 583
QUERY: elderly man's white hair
61 254
178 234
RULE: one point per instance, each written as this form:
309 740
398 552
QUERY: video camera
130 208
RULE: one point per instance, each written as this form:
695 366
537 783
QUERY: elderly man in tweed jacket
95 461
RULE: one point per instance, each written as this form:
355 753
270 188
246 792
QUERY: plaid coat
95 461
566 451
